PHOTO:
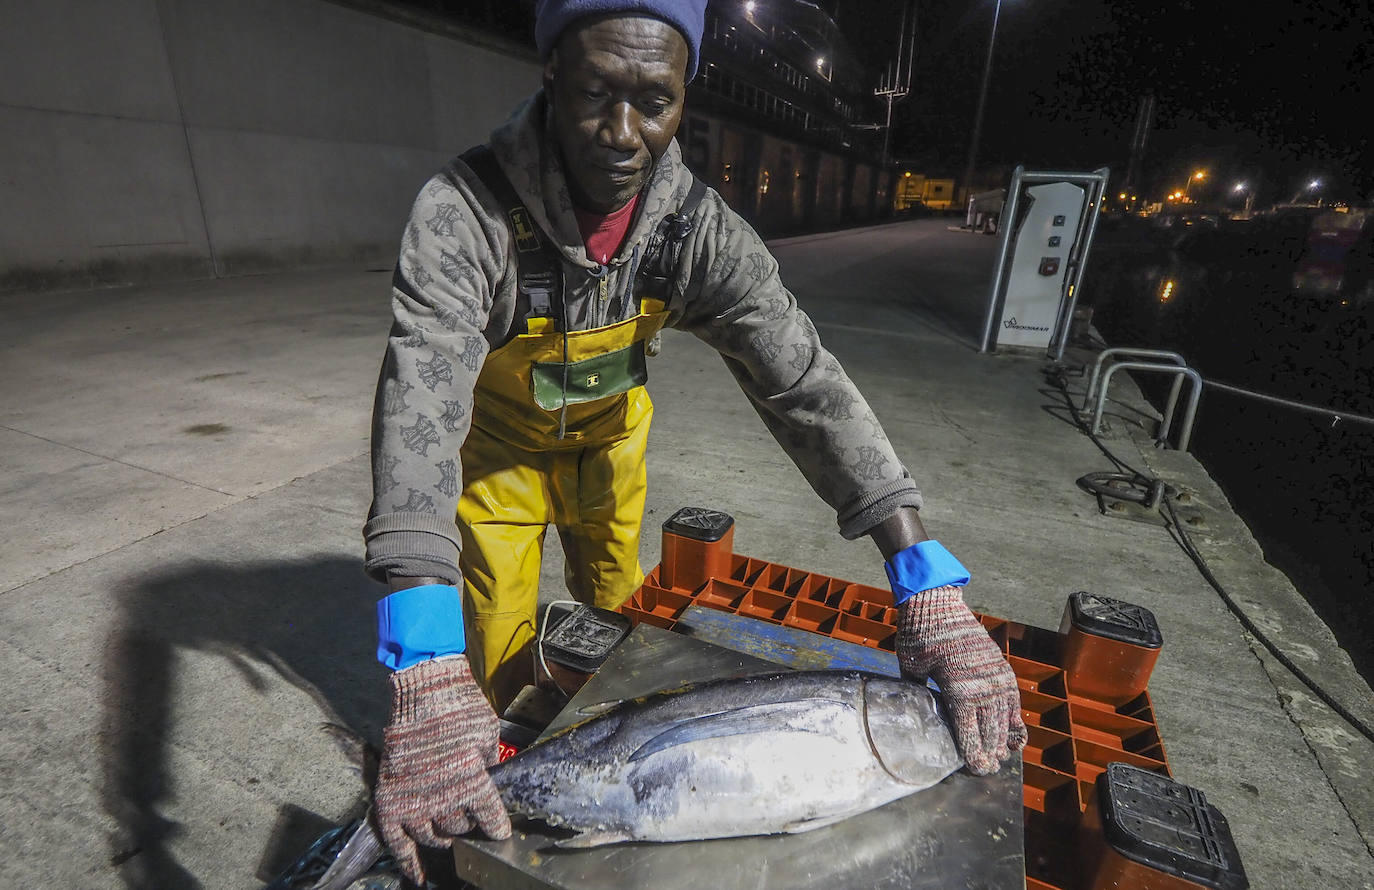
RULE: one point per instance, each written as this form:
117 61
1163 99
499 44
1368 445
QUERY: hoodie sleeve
451 261
735 302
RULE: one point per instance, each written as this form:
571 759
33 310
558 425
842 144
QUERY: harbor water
1222 295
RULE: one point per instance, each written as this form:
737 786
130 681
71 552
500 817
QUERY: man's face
617 92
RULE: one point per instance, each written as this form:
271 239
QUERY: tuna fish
772 754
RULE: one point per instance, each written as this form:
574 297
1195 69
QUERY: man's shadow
311 622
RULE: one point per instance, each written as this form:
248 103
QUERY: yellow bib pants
519 477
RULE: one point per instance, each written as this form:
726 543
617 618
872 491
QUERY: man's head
616 72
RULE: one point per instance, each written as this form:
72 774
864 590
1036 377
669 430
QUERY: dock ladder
1153 360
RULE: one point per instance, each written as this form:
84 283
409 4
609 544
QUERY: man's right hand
432 783
938 637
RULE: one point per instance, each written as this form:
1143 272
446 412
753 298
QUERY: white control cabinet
1040 262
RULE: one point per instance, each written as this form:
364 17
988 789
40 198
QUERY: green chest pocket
598 377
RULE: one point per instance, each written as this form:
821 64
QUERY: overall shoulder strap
664 247
538 268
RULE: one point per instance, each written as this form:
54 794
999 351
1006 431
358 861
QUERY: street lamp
1244 188
1198 175
1311 187
982 102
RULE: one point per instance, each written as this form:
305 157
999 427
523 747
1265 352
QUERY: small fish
350 857
781 753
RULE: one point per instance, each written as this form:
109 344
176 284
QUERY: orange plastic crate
1072 737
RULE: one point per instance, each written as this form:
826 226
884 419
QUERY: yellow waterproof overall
519 477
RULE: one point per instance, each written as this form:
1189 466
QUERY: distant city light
1316 183
1166 293
749 6
1238 187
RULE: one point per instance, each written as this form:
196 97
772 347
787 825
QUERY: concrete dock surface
188 635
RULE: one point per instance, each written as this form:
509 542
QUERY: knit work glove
938 637
432 782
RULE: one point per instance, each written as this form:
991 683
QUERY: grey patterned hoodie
454 298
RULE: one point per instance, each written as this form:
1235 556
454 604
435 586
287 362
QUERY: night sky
1273 94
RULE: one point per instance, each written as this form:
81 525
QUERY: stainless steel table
963 833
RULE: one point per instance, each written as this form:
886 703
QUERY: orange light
1166 293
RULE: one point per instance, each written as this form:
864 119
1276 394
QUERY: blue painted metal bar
790 646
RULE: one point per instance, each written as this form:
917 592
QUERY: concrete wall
829 190
861 194
155 139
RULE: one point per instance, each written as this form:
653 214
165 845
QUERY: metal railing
1173 363
1170 363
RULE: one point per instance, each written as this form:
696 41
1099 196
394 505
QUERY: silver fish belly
781 753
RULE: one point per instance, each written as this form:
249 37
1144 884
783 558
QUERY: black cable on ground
1139 487
1201 563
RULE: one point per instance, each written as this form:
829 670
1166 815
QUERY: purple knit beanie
688 16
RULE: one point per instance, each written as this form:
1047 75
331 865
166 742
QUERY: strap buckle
537 287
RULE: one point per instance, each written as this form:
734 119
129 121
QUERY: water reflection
1225 298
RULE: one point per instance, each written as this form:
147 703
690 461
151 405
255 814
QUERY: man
511 397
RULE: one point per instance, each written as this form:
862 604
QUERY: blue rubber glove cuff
420 623
923 566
